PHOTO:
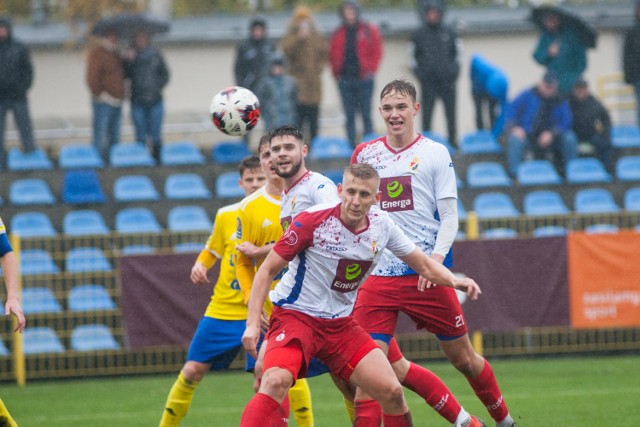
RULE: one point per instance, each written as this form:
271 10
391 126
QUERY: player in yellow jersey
258 229
218 337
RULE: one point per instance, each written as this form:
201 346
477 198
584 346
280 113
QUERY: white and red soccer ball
235 110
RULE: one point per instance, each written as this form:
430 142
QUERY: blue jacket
523 111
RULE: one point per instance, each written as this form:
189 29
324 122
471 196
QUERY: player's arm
10 270
203 263
448 211
212 252
253 251
271 266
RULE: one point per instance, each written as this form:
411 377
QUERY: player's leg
5 416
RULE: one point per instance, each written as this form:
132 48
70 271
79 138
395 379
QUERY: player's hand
199 274
554 49
264 322
13 307
250 340
248 249
423 282
468 286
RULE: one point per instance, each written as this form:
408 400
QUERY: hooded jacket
16 70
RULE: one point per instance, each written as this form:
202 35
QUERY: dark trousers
22 120
356 98
485 108
446 91
307 115
147 120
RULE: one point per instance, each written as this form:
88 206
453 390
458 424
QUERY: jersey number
459 321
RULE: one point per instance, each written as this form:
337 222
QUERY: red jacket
368 49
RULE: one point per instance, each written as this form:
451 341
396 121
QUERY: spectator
631 58
16 76
149 75
355 52
277 94
105 78
591 122
539 121
306 53
489 89
561 50
253 55
435 50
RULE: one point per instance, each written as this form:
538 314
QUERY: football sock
262 411
5 416
300 402
350 410
486 388
507 422
462 418
403 420
178 401
433 390
285 406
367 413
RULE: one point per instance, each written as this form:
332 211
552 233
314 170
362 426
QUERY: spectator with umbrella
562 46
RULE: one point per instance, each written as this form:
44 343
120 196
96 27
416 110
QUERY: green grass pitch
577 391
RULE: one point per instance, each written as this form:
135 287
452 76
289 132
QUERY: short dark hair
362 171
402 86
248 163
264 140
286 130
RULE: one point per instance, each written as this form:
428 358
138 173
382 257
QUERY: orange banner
604 279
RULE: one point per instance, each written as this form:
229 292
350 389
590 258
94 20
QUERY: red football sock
486 388
368 413
285 407
403 420
261 411
431 388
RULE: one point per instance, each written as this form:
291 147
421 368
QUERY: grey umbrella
128 24
587 34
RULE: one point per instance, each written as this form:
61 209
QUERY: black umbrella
587 34
128 24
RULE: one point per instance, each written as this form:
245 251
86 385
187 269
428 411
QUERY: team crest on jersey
414 163
397 194
280 336
349 275
290 237
374 248
293 203
284 222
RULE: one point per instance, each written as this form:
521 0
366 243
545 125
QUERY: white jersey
328 261
412 180
310 190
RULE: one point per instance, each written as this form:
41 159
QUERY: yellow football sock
178 401
351 412
300 403
5 416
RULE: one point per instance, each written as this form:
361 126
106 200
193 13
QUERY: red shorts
436 309
338 343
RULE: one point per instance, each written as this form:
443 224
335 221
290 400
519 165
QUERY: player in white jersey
330 249
418 187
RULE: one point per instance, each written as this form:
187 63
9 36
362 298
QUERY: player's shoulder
319 180
229 210
252 198
318 212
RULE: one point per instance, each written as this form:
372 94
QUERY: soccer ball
235 110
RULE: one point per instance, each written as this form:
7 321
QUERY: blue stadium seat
134 188
544 202
37 261
330 147
137 220
188 248
32 224
494 205
632 199
90 297
188 218
86 259
594 200
4 351
441 139
82 187
130 154
371 136
181 153
225 153
500 233
625 136
628 168
186 186
585 170
487 174
334 175
30 191
227 185
19 161
39 300
137 250
601 229
75 156
462 212
41 339
549 231
84 222
94 337
479 142
537 172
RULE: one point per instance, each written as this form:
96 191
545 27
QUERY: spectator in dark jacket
149 75
435 50
355 51
539 121
591 122
631 58
16 76
278 96
253 56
